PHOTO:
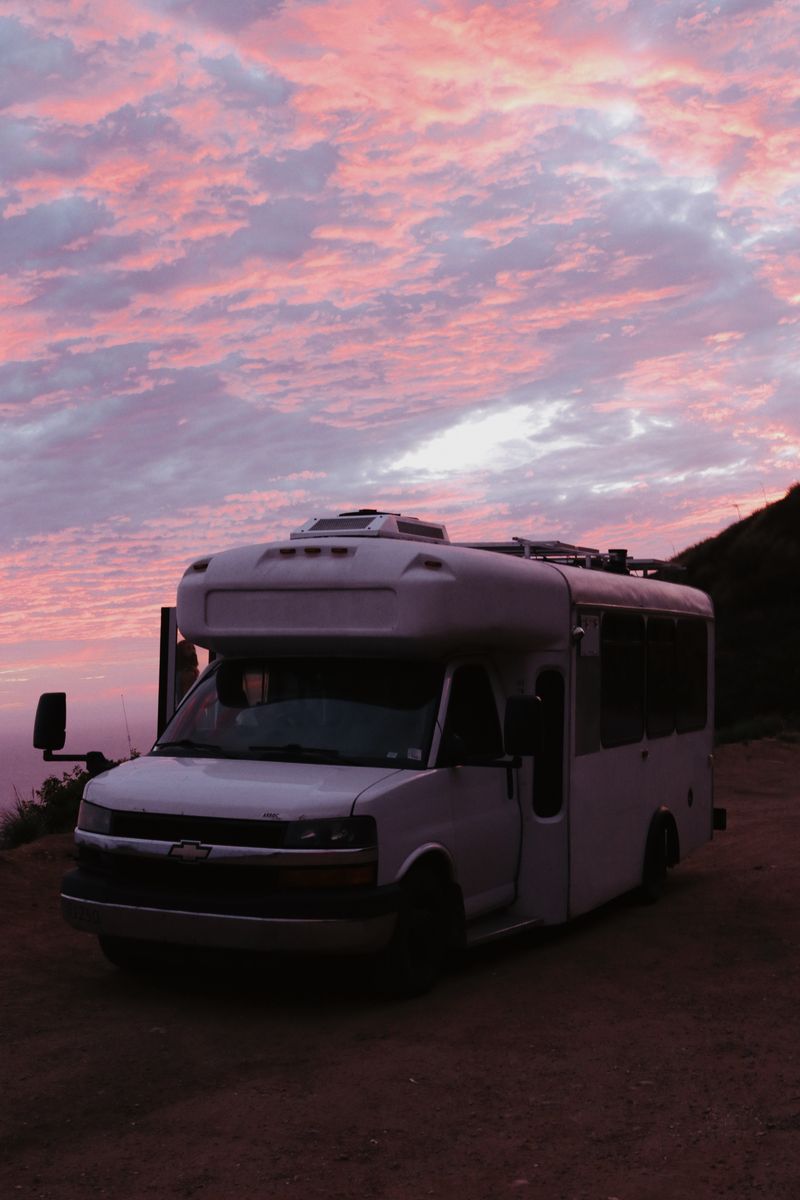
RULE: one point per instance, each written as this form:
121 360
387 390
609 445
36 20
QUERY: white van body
200 843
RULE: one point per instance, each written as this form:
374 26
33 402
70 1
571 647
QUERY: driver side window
472 714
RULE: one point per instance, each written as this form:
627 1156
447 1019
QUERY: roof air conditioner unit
367 522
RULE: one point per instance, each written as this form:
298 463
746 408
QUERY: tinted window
622 679
660 676
691 658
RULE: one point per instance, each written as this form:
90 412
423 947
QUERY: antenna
127 730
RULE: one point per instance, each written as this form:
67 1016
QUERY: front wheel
129 954
413 959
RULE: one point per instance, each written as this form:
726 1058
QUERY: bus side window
660 676
472 713
548 765
622 679
691 658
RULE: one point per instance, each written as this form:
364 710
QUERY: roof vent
368 522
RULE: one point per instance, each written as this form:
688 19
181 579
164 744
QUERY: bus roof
399 594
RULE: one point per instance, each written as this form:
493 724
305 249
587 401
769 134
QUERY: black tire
414 958
656 861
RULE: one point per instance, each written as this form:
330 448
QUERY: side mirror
50 725
522 729
50 733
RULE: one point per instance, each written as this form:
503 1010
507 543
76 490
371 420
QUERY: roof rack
371 522
616 561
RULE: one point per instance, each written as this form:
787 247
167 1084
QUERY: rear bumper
320 922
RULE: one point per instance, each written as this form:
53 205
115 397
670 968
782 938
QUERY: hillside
752 572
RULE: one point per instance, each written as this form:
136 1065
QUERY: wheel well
432 860
438 863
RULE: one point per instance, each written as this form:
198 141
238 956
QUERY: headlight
338 833
94 819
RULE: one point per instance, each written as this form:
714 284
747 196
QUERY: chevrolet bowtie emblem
189 851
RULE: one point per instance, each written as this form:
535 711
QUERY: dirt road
640 1054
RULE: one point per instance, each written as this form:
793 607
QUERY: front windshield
366 711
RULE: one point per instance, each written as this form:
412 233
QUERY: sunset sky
523 267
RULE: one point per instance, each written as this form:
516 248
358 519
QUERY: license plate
85 914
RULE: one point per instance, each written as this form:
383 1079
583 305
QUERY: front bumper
333 921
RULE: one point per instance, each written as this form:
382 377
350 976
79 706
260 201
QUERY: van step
489 929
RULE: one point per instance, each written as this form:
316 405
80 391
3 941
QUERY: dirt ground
643 1053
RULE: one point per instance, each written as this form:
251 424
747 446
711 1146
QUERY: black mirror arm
96 761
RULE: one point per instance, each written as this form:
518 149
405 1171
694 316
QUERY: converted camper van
403 744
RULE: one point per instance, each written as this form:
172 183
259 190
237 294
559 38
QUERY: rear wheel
656 861
414 958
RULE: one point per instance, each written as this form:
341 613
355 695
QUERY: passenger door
486 820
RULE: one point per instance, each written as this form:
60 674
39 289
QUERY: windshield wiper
195 747
315 753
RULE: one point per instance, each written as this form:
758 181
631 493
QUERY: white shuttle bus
401 745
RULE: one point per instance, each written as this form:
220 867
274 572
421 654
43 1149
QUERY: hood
233 788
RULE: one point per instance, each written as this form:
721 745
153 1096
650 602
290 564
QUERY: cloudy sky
524 266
